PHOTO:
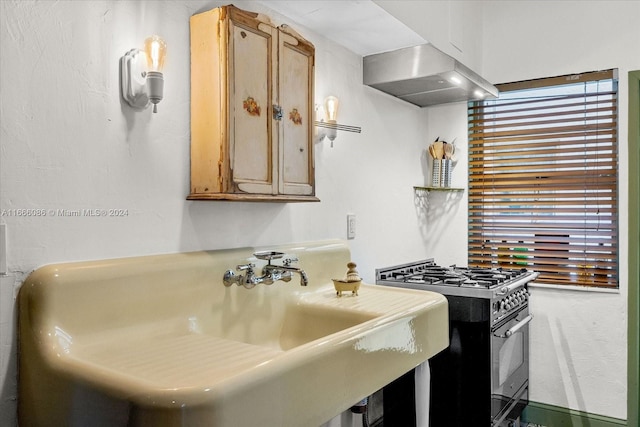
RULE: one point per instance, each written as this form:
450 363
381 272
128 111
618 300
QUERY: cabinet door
296 65
252 146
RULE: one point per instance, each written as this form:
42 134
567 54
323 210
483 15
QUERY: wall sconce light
330 127
141 81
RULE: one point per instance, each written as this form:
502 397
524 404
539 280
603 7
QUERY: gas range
505 288
488 355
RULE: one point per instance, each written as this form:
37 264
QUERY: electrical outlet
351 226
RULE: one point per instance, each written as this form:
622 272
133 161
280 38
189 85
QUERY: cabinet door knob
277 112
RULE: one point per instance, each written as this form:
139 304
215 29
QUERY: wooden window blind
543 179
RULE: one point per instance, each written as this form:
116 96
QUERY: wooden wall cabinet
251 109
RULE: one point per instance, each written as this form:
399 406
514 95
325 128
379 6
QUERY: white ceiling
359 25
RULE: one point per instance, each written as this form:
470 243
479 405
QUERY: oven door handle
516 328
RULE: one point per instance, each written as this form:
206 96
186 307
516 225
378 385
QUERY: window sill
574 288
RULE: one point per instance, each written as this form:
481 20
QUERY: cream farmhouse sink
160 341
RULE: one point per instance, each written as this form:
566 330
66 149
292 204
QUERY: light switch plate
351 226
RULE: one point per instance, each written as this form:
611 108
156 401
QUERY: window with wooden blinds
543 179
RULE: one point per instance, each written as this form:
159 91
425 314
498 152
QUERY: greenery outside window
543 179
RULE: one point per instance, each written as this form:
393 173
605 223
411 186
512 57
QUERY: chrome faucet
249 280
270 273
285 271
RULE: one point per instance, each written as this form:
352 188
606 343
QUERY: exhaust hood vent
424 76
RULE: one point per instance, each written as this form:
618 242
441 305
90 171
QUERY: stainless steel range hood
424 76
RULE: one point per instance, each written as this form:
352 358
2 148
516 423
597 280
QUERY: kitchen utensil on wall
449 149
438 147
441 153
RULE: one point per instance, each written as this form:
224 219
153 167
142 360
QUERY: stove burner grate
456 276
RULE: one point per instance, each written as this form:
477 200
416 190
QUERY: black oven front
481 379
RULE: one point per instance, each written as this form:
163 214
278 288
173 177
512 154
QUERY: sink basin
159 340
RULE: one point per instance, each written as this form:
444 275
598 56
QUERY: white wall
452 26
578 339
68 142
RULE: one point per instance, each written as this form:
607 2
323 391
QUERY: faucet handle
243 267
288 261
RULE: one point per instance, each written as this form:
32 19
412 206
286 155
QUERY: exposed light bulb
331 104
155 49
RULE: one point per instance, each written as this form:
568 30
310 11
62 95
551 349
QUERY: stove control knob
503 306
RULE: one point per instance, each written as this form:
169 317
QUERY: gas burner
468 283
488 279
436 271
420 278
